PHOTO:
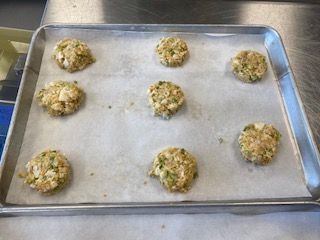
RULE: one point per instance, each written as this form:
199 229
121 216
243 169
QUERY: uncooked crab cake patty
259 142
72 54
165 98
249 66
171 51
176 169
48 172
60 97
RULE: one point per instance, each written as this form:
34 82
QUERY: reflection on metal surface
75 11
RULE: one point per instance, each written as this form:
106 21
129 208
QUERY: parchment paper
111 141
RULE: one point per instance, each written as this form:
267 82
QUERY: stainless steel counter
284 226
21 14
298 24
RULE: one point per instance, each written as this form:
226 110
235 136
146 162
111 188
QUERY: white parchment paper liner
111 141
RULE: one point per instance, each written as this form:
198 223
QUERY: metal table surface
299 26
21 14
297 23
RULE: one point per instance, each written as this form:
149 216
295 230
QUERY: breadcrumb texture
48 172
60 97
172 51
176 169
259 142
72 54
249 66
165 98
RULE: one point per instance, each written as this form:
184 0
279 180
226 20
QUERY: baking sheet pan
111 141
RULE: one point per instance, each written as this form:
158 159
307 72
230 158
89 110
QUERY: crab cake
48 172
259 142
249 66
176 169
165 98
172 51
72 54
60 97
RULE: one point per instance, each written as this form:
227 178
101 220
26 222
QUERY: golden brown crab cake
171 51
249 66
72 54
165 98
259 142
60 97
176 169
48 172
